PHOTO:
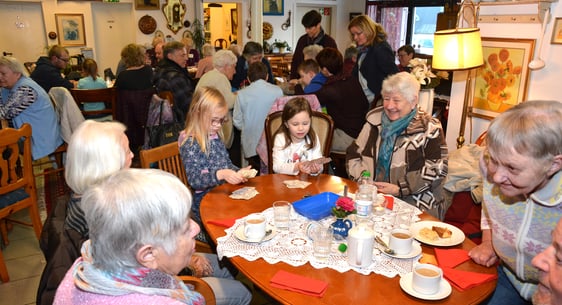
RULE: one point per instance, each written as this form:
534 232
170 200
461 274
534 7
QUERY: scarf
389 133
75 218
140 280
317 39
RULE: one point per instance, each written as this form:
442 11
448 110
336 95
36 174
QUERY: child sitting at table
295 141
311 78
202 150
91 80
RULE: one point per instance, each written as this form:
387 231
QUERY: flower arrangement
344 206
424 75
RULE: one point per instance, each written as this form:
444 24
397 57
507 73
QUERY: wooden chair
107 95
29 66
221 43
167 158
17 183
202 287
323 126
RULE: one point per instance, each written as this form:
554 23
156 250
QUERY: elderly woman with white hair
22 100
95 151
403 147
140 237
224 63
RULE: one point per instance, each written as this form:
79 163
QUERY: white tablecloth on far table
295 248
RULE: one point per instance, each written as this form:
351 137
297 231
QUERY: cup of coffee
426 278
254 227
401 241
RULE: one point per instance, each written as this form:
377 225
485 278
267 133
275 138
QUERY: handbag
164 132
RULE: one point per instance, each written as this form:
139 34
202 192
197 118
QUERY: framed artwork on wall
502 81
147 4
70 28
234 21
273 7
557 32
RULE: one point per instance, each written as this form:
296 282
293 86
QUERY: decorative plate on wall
267 30
147 24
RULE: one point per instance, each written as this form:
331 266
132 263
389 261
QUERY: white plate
406 285
416 250
457 236
239 233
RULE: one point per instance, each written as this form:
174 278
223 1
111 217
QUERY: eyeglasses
64 59
217 122
401 55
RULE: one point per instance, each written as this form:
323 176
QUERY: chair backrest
166 158
17 183
323 126
202 287
221 43
30 66
106 95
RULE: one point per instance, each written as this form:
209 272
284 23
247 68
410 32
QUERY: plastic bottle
364 200
365 178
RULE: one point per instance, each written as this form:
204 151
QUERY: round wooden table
344 288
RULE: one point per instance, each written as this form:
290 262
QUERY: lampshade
457 49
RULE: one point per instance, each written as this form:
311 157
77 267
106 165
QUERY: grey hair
207 50
224 58
95 151
404 84
133 208
312 50
13 64
532 128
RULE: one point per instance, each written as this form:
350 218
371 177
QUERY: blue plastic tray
316 207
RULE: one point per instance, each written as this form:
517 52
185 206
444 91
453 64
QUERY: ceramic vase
425 100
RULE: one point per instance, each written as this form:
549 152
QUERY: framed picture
71 30
147 4
557 31
273 7
234 21
502 81
353 15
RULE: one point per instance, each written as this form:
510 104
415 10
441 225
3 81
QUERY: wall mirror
174 11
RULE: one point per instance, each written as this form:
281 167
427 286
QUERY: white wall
543 84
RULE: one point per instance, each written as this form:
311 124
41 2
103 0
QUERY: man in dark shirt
314 35
48 70
170 75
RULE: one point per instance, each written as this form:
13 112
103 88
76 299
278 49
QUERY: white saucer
416 250
406 285
239 233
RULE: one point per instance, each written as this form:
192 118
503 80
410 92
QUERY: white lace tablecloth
293 247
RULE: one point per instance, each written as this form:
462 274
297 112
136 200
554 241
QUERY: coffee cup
254 227
426 278
400 241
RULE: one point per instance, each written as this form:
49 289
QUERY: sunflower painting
501 82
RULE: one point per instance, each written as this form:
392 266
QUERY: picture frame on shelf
70 28
147 5
502 81
273 7
557 31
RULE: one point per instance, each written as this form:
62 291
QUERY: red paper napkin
389 201
298 283
223 222
450 258
464 280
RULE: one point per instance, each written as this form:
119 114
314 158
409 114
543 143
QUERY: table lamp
459 49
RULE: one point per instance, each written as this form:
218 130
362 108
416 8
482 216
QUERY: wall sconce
456 50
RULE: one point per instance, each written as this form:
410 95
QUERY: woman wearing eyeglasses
205 158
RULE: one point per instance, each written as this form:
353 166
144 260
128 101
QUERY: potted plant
280 45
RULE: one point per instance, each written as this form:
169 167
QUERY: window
408 22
